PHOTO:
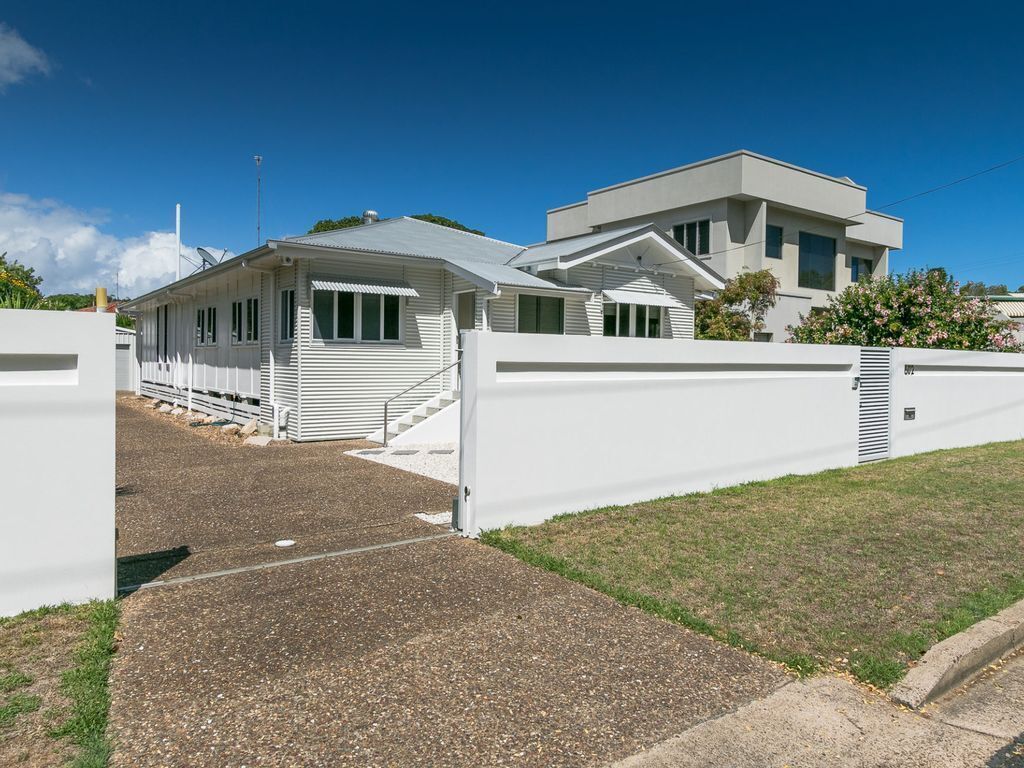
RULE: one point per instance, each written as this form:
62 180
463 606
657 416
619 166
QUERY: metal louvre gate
875 393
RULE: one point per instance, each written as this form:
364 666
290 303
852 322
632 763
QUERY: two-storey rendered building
744 211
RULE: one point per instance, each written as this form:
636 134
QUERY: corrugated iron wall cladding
680 320
223 367
599 277
503 313
344 386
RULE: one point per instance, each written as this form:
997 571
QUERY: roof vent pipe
369 217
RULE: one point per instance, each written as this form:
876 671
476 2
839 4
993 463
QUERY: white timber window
357 317
245 318
636 320
206 326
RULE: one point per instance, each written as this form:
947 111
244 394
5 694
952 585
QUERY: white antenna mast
177 240
259 162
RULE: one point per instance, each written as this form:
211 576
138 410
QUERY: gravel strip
439 460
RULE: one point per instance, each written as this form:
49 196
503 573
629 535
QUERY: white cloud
67 247
18 59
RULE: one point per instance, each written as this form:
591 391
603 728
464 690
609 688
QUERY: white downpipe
191 380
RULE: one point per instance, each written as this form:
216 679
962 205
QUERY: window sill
354 343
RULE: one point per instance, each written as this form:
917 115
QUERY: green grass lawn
54 700
859 569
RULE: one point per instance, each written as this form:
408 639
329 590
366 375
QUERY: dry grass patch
860 569
53 685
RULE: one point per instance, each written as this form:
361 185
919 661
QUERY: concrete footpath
829 721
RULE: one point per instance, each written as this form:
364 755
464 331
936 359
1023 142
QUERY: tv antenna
259 162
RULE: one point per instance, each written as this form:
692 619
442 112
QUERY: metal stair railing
410 389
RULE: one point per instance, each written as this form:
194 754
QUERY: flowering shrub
918 309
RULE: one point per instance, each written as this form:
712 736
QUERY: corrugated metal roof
1011 306
635 297
479 256
411 237
362 285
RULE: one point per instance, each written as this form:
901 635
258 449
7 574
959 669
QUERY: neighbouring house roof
1012 306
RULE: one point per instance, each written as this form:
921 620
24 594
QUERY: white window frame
632 320
697 220
357 324
206 328
282 328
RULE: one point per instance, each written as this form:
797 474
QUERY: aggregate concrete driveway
441 652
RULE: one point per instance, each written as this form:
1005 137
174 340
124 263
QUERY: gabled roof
568 252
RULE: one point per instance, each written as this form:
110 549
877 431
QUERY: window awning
636 297
366 285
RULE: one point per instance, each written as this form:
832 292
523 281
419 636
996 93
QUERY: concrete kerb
958 658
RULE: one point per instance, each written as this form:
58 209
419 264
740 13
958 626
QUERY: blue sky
491 113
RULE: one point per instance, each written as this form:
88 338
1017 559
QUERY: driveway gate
875 394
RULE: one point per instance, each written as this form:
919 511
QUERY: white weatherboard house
744 211
312 334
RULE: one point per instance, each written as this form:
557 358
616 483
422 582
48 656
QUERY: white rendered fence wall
554 424
955 399
56 458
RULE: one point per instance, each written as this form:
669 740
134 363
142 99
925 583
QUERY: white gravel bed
439 460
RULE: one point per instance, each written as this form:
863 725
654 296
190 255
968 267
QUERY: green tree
328 225
738 311
918 309
971 288
71 300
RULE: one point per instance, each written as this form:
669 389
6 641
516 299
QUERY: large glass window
817 262
773 242
638 320
694 236
323 314
346 324
541 314
347 316
371 317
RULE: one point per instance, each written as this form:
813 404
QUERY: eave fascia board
259 252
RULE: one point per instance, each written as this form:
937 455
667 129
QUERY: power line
894 203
